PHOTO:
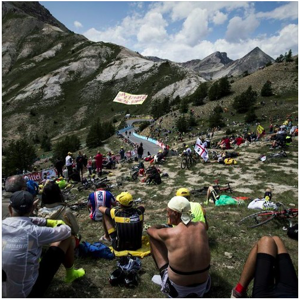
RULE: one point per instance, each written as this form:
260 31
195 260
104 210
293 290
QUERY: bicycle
265 216
185 162
217 188
225 188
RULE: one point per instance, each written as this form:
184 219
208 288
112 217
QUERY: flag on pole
201 150
259 129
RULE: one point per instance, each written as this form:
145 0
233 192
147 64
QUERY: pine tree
250 116
69 144
199 95
181 124
155 110
165 106
213 92
192 120
245 101
18 155
216 120
266 90
94 136
218 109
288 56
224 87
184 106
46 143
107 131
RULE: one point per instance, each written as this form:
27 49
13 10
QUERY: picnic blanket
142 252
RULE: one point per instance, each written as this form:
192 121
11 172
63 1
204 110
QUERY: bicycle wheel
134 176
184 163
257 219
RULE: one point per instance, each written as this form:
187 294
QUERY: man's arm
158 232
104 210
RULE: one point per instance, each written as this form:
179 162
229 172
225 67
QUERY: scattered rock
228 254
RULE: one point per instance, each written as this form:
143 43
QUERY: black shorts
275 277
49 265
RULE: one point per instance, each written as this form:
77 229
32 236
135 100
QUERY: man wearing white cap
181 253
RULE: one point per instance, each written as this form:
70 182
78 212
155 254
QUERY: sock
240 289
72 274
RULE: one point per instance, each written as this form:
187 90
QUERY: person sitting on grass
197 210
181 253
124 224
22 240
101 197
271 267
54 208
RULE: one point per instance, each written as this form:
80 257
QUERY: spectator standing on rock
59 167
99 161
90 165
122 153
69 163
79 164
140 151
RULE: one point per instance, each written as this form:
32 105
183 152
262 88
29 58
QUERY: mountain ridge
53 76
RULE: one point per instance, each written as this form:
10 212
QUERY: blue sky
181 31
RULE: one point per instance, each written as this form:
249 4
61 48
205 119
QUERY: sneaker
130 264
235 294
131 280
156 279
75 275
116 277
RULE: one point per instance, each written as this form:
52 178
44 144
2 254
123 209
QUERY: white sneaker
156 279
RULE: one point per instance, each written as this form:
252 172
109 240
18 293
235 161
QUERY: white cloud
148 33
194 28
112 35
153 29
287 11
219 18
239 29
77 24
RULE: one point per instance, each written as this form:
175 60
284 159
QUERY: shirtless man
181 253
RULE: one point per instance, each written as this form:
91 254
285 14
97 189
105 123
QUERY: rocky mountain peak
32 9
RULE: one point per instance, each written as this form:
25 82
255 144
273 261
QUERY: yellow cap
183 192
125 199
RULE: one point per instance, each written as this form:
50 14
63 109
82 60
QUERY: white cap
183 206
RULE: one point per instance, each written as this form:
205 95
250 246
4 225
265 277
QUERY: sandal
104 239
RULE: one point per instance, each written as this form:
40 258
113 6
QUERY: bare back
188 251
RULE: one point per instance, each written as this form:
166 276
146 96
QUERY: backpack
95 250
230 161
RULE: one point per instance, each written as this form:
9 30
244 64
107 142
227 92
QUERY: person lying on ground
271 267
124 223
22 240
212 195
197 210
264 202
101 197
55 208
181 253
